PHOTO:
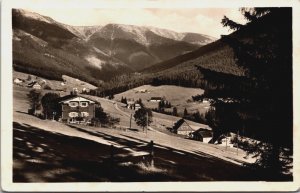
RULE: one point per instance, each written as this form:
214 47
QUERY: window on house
84 104
73 104
84 114
73 114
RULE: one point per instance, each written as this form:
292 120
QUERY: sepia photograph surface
134 95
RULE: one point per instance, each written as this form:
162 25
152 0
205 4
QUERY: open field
180 97
49 151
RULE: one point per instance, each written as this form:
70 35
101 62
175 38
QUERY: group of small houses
132 104
34 84
42 84
205 134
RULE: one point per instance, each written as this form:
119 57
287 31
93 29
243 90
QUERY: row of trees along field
180 77
261 101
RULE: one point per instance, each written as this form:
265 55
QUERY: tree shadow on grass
210 167
185 166
113 139
43 156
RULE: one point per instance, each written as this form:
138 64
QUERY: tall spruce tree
261 101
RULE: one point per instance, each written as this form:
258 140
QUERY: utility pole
53 115
130 121
146 122
237 143
226 140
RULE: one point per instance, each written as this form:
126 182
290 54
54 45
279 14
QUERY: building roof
203 132
68 98
31 84
156 98
179 123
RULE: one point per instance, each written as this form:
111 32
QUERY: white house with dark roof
156 99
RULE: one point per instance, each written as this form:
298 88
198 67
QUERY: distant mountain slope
216 56
141 47
95 52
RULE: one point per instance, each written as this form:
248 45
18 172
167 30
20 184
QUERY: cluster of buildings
31 84
205 135
132 104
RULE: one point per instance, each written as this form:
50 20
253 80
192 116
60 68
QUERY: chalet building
76 109
34 85
141 91
137 106
203 135
133 105
18 81
224 140
155 99
231 138
130 104
181 127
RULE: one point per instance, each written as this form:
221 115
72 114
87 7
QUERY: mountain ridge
101 52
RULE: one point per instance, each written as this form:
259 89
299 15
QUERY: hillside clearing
180 97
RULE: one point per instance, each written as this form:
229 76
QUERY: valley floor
49 151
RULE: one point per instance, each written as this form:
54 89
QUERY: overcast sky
199 20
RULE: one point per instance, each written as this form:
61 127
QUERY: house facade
77 109
18 81
155 99
203 135
181 127
34 85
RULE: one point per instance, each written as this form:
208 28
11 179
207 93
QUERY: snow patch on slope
137 32
167 33
87 31
100 51
93 60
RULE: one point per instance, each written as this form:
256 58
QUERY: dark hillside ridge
164 65
216 56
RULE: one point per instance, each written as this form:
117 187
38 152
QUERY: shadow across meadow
43 156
